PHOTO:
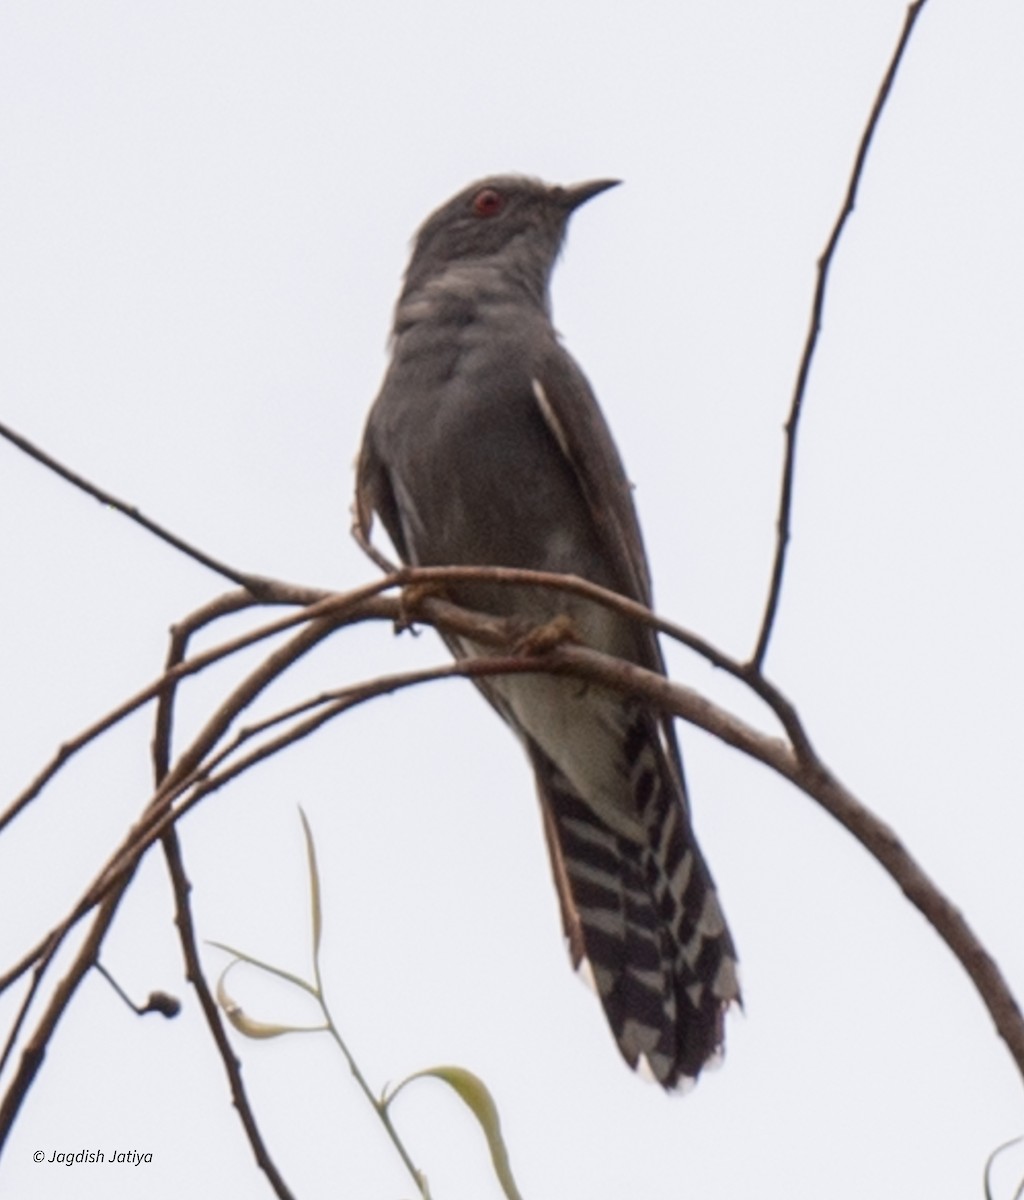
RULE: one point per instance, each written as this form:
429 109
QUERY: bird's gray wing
578 426
375 494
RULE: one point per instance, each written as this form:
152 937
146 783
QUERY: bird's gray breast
477 475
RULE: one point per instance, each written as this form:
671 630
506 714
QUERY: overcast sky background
205 210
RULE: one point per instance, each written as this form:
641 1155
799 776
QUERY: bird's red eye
488 202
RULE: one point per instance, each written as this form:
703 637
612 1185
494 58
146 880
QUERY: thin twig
35 1051
189 764
195 976
811 343
317 601
252 583
40 957
202 783
162 742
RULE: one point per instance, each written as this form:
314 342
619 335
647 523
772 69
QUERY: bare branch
224 604
280 593
181 888
811 343
41 955
35 1051
252 583
194 774
195 976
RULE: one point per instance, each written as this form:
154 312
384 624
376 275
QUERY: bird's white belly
582 729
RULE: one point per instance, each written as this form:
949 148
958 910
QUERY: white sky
205 210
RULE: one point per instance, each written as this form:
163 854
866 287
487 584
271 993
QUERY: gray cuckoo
486 447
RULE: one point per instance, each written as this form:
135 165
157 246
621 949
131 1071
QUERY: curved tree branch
195 773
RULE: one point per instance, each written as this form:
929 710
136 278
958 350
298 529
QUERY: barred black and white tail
643 913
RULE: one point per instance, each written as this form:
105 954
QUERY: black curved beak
580 193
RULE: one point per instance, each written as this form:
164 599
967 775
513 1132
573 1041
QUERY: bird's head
509 223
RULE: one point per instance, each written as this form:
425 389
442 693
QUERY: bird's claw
542 638
410 600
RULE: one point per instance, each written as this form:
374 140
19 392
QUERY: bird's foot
410 600
542 638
